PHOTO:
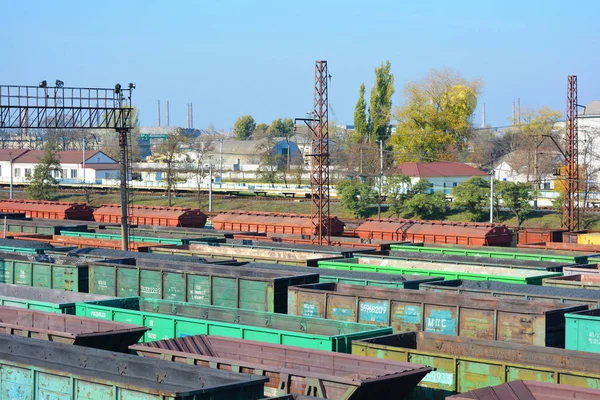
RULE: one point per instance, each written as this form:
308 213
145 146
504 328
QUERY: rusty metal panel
106 335
478 317
293 369
575 281
530 390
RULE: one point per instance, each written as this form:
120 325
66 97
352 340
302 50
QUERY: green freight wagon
171 319
583 331
515 291
57 301
499 252
36 369
483 261
463 364
352 277
44 226
63 276
447 271
248 288
518 321
248 253
25 246
164 239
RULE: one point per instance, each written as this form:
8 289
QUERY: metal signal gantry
60 107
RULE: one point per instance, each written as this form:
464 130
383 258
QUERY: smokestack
483 116
513 114
519 111
187 115
191 116
158 113
167 114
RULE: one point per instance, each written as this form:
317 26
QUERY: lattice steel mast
319 128
59 107
571 216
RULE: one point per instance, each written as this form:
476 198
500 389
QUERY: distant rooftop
437 169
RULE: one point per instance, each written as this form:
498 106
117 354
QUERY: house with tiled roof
20 163
443 176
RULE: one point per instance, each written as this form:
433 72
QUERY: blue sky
231 58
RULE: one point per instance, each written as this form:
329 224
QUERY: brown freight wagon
68 241
462 233
64 328
48 209
156 216
405 310
318 373
529 390
253 221
528 236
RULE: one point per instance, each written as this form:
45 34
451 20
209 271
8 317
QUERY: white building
443 176
20 163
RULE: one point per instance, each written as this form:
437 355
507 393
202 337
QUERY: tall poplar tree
360 117
380 105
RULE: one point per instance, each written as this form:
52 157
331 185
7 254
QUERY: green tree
472 195
516 197
356 197
244 127
435 121
282 127
426 206
380 105
400 189
260 131
360 118
43 185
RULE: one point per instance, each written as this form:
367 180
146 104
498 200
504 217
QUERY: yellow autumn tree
436 119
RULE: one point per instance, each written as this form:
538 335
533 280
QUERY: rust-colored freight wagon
156 216
81 331
48 209
322 374
528 236
253 221
463 233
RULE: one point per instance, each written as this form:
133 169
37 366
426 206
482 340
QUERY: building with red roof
442 175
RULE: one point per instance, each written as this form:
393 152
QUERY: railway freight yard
339 216
253 307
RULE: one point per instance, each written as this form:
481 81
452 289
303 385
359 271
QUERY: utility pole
221 164
210 184
83 163
536 183
492 198
380 177
10 192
